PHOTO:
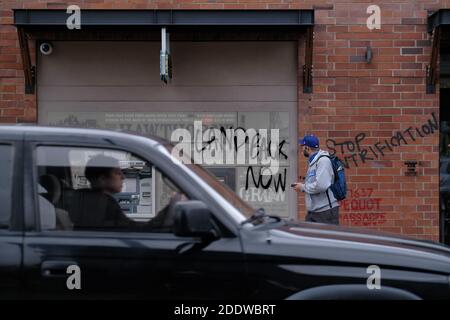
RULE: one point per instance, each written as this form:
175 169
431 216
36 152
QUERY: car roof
80 132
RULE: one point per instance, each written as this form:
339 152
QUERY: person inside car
96 207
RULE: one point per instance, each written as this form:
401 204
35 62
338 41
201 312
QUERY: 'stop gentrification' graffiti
360 153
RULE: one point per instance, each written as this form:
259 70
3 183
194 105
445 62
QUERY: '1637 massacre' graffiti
361 154
361 209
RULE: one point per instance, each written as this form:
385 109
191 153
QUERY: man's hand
298 187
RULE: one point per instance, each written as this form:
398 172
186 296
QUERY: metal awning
32 21
438 18
168 18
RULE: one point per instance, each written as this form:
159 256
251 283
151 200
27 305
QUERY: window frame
16 196
34 221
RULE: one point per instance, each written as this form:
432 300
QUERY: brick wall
351 99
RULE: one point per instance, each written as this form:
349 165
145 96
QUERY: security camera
46 48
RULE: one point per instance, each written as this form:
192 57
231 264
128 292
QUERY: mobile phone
293 185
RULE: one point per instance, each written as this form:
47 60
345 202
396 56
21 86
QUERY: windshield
227 193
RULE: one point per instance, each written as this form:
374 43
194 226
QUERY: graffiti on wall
362 209
357 152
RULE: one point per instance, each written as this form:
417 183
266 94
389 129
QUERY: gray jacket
318 180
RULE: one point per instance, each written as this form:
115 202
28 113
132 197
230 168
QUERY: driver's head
104 173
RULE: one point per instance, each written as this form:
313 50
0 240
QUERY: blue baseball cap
310 141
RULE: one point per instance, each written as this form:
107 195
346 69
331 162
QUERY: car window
102 189
216 183
6 169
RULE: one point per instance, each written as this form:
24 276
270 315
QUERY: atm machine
135 199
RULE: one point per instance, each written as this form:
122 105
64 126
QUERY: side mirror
193 219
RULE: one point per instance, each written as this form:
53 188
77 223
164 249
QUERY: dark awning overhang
167 18
438 18
32 22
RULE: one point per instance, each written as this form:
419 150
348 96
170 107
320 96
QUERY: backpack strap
328 196
335 174
332 167
318 158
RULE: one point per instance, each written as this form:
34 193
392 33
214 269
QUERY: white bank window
259 139
239 84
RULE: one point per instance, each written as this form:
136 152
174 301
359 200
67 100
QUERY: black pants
330 216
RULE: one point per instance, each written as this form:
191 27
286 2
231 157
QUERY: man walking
321 204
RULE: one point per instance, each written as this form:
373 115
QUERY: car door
136 263
11 213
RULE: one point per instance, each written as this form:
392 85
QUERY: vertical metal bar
163 40
308 67
431 68
28 69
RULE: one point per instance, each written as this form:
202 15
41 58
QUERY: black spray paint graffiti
259 143
378 150
279 181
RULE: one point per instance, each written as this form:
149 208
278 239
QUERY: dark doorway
444 166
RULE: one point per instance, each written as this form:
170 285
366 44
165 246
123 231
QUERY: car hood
352 245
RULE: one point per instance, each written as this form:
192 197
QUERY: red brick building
375 113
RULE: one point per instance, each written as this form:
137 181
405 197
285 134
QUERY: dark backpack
339 185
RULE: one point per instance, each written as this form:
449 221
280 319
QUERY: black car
187 236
